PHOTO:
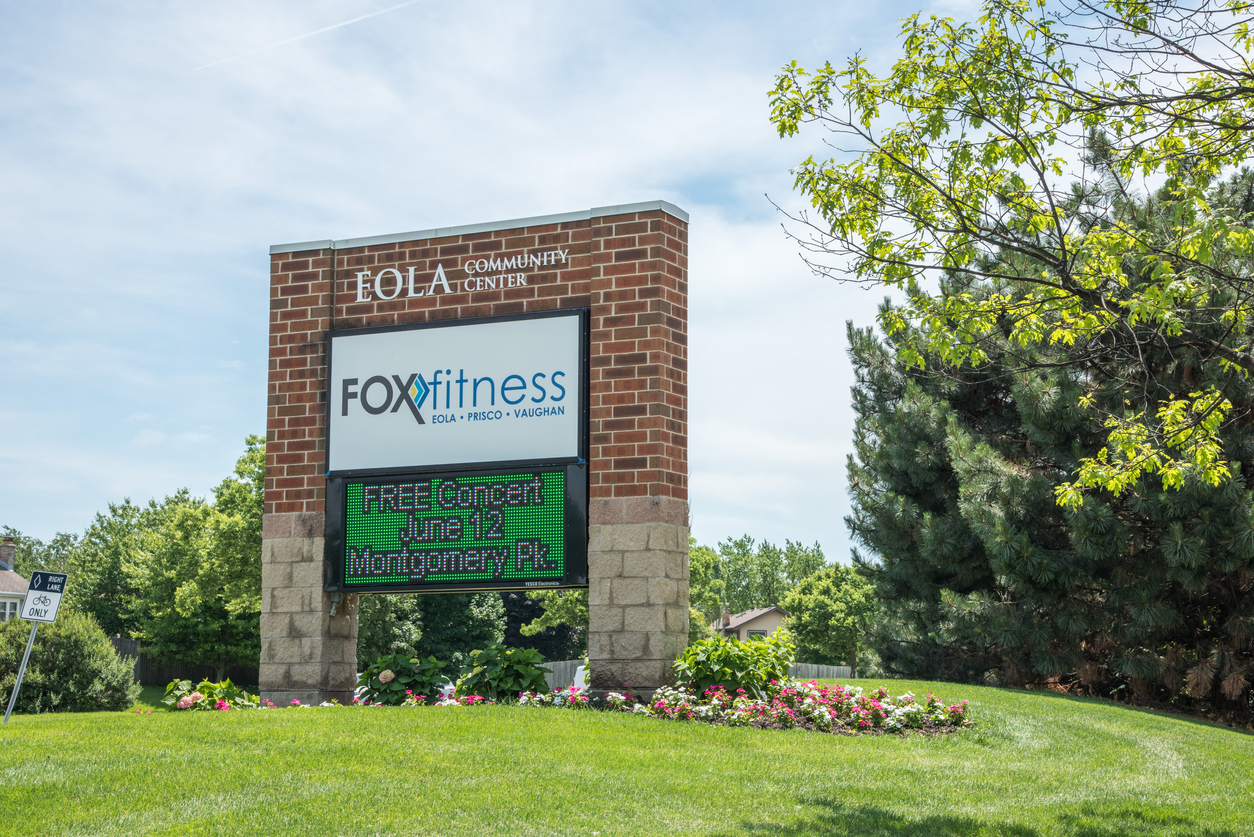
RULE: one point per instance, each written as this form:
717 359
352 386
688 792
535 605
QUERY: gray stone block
644 564
647 673
599 646
629 537
307 574
677 621
605 564
595 541
343 627
307 624
629 645
663 591
272 675
664 536
287 600
341 676
629 591
305 676
665 646
677 565
275 575
605 618
644 618
275 625
285 549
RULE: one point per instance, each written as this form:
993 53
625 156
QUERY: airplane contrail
306 35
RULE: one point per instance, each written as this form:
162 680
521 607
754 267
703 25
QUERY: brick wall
630 269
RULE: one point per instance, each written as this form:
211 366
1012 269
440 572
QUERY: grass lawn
1038 764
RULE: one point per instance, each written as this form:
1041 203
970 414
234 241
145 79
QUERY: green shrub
73 667
395 677
207 695
732 664
497 672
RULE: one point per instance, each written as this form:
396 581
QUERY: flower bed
788 704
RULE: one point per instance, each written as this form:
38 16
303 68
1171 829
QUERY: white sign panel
43 597
435 395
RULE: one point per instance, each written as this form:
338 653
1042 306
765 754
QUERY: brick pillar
638 508
306 653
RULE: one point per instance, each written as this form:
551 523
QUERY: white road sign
43 597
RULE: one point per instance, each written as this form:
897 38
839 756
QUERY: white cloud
141 195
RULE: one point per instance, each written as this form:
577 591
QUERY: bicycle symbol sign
43 597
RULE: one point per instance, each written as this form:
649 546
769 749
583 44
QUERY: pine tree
982 574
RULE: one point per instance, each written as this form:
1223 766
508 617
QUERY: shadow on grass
829 818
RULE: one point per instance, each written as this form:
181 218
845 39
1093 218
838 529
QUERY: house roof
743 617
11 582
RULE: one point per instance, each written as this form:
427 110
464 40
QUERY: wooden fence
811 671
562 672
150 672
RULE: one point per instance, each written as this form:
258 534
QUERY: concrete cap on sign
491 226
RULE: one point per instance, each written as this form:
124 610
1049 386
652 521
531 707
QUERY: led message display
464 530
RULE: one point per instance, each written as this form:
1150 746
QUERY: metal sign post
43 600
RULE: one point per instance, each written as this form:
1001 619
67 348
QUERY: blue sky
140 190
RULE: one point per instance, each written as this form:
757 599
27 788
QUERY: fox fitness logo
378 395
412 393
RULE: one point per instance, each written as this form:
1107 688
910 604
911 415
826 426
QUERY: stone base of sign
306 653
637 592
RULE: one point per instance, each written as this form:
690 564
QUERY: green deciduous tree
706 588
558 641
104 566
181 617
198 571
33 554
973 156
828 615
455 624
762 576
447 626
561 608
388 623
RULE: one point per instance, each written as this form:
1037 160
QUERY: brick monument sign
627 268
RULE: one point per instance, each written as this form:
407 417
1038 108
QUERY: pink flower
295 702
386 676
